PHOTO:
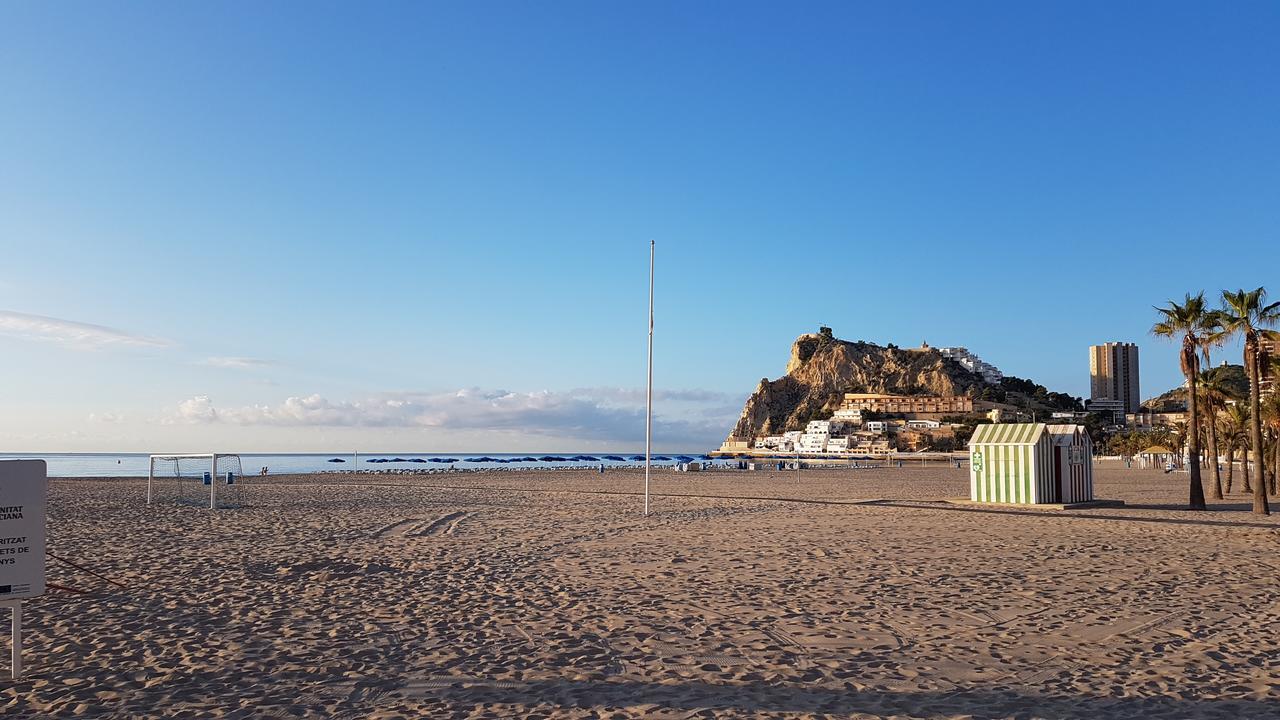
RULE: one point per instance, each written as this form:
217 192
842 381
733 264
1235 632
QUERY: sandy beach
838 593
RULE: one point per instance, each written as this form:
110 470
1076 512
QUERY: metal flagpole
648 405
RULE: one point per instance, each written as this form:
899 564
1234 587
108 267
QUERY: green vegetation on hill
1175 400
1030 395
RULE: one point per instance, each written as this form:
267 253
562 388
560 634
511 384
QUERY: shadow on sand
1197 517
762 698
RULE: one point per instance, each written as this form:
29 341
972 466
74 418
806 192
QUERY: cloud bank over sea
697 417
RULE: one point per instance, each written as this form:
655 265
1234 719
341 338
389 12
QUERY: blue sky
313 226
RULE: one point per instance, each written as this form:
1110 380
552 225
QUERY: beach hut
1011 463
1073 462
1030 464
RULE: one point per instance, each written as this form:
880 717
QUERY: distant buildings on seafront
916 425
828 437
913 405
1113 380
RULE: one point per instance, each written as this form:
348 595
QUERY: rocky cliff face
822 369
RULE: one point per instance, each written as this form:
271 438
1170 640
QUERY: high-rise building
1113 374
1267 374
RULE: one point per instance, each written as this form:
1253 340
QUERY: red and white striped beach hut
1072 462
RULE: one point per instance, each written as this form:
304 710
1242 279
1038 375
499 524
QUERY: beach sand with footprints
840 593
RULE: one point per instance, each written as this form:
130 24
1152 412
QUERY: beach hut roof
1064 435
1008 434
1156 450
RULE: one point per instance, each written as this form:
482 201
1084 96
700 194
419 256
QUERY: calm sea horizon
135 464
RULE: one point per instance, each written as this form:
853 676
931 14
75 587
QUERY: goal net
208 480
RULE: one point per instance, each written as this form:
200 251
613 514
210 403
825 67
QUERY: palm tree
1214 391
1244 446
1232 428
1178 436
1270 367
1245 313
1213 397
1271 418
1188 322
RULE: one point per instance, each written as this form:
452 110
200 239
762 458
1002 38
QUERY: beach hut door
1059 475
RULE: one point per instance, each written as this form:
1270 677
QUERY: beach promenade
840 593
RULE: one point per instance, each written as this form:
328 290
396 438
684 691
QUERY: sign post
23 487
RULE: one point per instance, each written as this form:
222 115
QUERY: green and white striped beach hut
1030 464
1012 463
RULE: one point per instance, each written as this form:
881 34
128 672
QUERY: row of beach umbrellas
529 459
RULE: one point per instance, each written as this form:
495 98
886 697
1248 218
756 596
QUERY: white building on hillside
772 442
818 426
973 363
837 444
812 442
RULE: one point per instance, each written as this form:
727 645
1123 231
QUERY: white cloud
610 415
198 409
83 336
106 418
236 363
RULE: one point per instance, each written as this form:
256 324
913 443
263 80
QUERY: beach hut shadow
1214 506
1193 518
758 698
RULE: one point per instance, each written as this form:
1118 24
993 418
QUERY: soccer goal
196 479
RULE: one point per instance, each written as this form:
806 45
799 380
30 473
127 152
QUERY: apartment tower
1267 372
1113 374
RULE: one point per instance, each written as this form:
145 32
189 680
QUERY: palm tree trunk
1260 505
1275 465
1244 466
1213 453
1231 466
1196 501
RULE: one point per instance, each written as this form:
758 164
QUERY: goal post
189 472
